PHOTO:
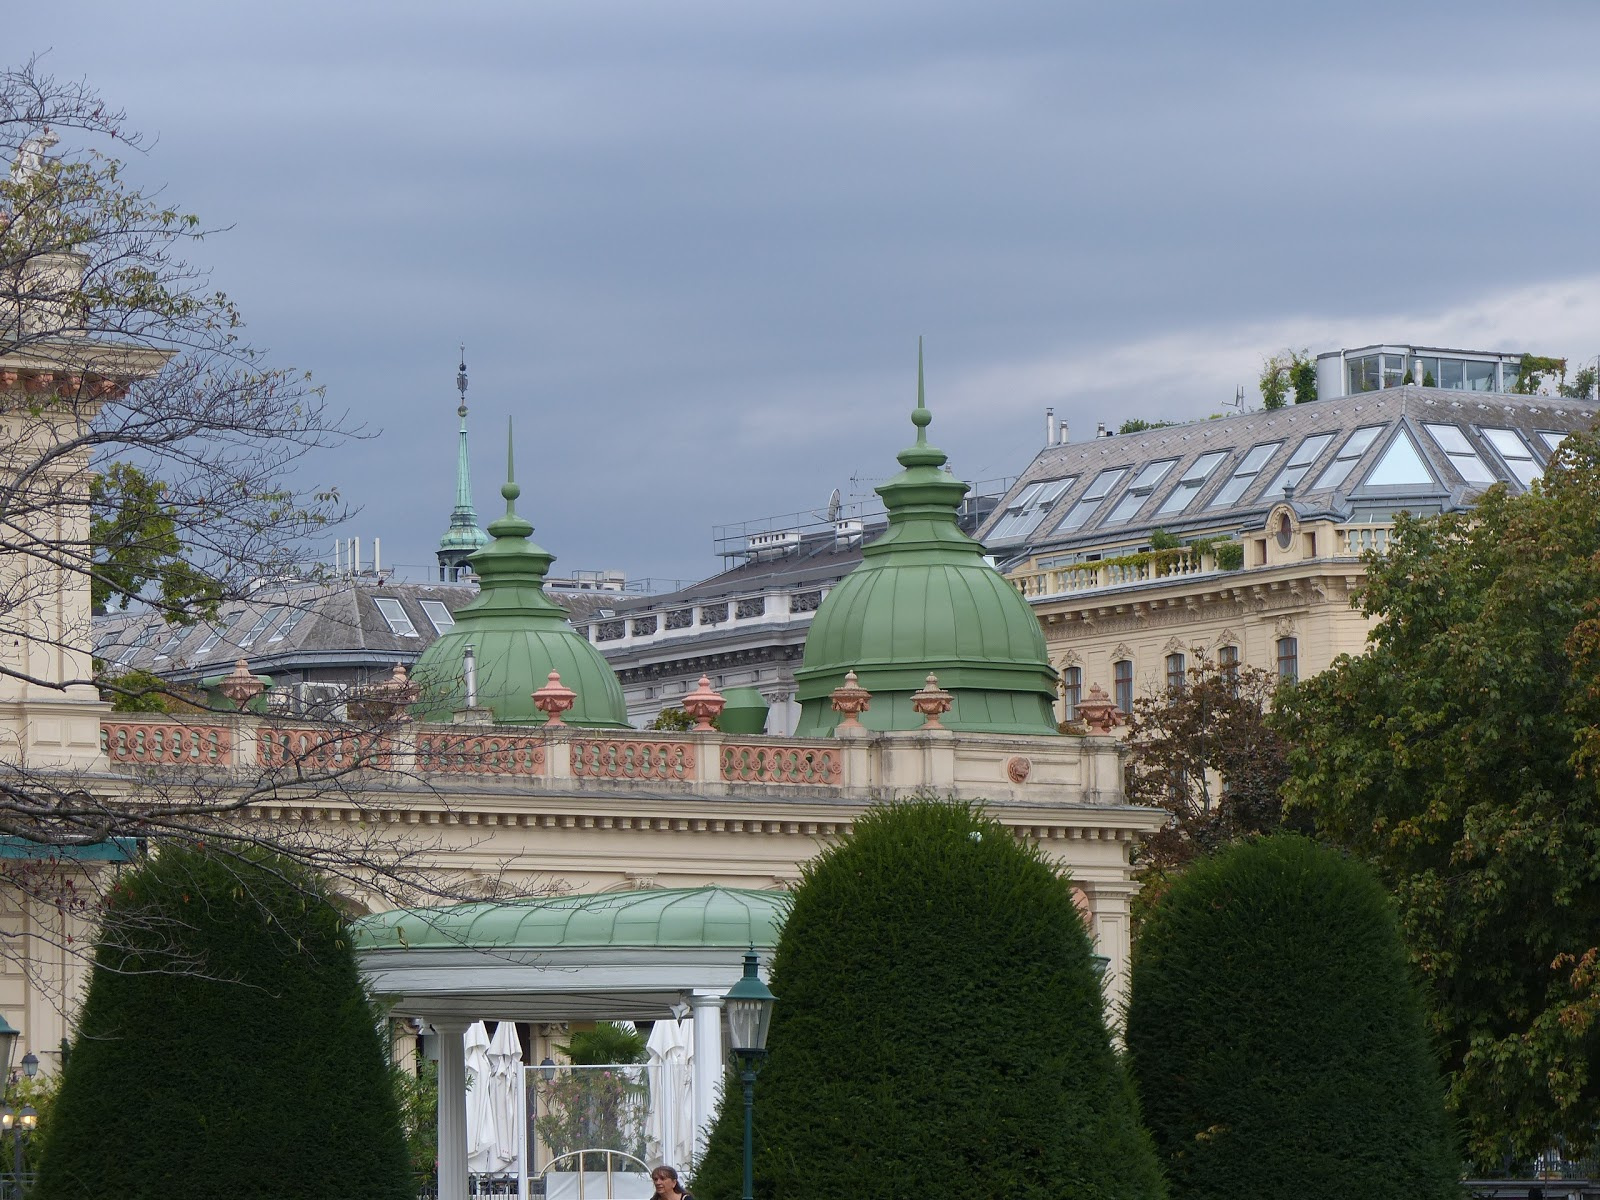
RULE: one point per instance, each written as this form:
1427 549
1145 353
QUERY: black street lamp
749 1008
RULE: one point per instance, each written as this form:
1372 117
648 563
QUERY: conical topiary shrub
1276 1038
225 1048
939 1031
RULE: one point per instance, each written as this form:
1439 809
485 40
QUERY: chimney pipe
1064 438
1100 429
469 674
377 545
1049 427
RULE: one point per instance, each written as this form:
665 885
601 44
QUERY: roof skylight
1462 456
260 627
1244 474
296 615
1514 452
1193 480
1553 438
438 612
171 644
219 631
1400 466
1139 490
1345 461
1024 513
1086 505
395 614
1299 463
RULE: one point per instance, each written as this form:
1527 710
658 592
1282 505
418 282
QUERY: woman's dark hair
671 1173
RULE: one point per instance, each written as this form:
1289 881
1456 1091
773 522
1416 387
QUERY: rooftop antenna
833 505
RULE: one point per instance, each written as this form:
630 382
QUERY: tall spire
463 537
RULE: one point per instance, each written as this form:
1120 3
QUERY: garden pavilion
613 956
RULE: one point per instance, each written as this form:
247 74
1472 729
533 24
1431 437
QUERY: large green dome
924 600
518 635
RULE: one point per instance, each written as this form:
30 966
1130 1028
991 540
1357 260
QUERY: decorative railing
167 742
618 758
815 765
480 754
1092 576
321 749
1356 540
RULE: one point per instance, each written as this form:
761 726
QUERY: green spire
921 454
463 536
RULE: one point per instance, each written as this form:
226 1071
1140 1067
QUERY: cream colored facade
1296 587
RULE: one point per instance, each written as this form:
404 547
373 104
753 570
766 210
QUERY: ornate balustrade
480 754
165 741
325 748
1356 540
1093 576
749 763
632 758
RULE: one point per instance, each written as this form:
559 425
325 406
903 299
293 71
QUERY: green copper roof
463 534
518 635
691 917
924 600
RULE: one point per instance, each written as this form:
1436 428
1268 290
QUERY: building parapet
635 628
1037 582
993 767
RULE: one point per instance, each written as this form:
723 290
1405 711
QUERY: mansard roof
1426 449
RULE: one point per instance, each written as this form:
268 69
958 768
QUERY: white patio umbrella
670 1124
506 1096
480 1115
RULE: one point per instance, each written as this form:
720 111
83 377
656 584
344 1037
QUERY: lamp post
749 1009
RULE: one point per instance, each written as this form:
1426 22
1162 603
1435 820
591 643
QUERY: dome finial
920 416
461 383
509 488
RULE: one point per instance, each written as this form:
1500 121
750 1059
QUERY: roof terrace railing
772 607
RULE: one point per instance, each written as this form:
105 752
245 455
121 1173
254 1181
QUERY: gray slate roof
1086 495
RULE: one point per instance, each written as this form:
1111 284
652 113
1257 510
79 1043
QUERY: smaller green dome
518 636
925 600
745 711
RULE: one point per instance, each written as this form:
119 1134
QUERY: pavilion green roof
679 917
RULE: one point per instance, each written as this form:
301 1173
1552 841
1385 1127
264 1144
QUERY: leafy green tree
135 535
1205 751
1140 425
1286 370
939 1030
1276 1037
1581 385
225 1048
1452 756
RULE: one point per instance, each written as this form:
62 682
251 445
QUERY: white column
452 1109
708 1064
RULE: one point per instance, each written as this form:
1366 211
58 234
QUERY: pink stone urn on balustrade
704 704
553 699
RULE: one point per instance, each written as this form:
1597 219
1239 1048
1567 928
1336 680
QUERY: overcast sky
690 245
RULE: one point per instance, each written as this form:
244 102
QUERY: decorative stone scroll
618 758
154 743
816 765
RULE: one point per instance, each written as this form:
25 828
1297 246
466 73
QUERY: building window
1122 678
1189 486
1072 690
1228 661
1143 484
1175 673
1288 659
1345 461
260 627
1462 456
1031 505
394 613
1514 452
1080 512
219 631
1299 463
439 614
296 615
1244 474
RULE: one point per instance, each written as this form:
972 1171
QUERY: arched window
1122 675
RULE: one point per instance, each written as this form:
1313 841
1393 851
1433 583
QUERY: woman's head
667 1176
